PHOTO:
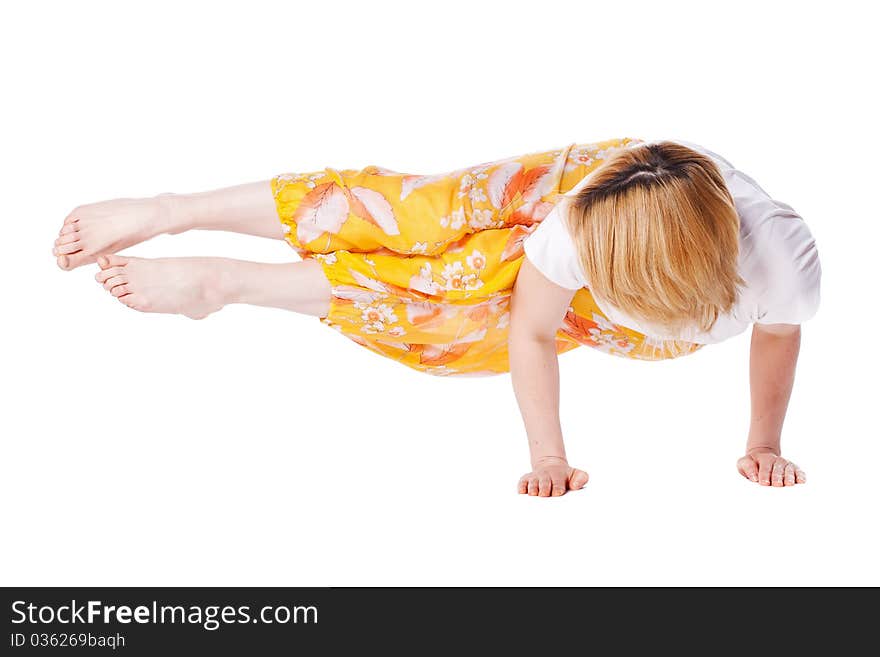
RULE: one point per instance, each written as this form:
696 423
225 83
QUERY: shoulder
552 251
778 252
789 268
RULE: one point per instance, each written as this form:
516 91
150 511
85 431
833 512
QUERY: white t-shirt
778 260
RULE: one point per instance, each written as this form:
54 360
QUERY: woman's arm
772 363
536 312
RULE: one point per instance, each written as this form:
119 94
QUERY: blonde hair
657 234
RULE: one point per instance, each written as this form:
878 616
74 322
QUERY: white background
258 447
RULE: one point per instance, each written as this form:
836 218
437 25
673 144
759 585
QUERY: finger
533 486
800 475
765 468
578 479
788 478
778 472
523 485
544 486
748 468
559 487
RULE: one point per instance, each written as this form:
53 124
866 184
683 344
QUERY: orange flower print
454 220
579 157
308 179
375 317
454 278
424 282
476 260
481 219
470 185
329 258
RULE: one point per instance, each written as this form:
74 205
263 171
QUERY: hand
552 476
764 466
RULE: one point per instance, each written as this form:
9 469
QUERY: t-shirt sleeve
791 290
552 251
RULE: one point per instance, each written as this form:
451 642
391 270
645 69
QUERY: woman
647 250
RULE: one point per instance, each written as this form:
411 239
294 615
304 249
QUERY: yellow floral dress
422 266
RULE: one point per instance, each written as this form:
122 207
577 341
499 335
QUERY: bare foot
110 226
186 286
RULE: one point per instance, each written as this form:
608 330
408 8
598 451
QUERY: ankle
223 284
173 213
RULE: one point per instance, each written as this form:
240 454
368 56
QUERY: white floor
261 448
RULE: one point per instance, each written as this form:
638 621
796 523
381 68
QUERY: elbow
528 335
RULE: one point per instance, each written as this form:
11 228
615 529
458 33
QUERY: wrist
548 459
762 449
763 441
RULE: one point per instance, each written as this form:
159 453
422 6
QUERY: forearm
772 364
534 370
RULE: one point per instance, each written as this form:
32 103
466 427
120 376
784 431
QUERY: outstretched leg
103 228
197 287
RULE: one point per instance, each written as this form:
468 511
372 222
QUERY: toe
70 220
67 249
67 239
114 282
75 260
112 260
104 274
135 302
67 229
120 290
